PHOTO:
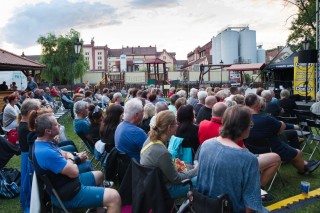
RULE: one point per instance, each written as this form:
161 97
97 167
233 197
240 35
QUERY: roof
35 58
284 64
246 67
154 61
10 62
139 50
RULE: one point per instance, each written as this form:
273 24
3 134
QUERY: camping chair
149 192
89 147
314 139
198 202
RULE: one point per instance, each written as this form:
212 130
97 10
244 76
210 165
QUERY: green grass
289 175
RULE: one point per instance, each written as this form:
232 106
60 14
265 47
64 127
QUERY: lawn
288 173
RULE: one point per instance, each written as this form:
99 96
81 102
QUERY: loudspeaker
308 56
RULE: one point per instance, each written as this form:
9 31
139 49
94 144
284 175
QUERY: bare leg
98 176
111 200
268 165
298 162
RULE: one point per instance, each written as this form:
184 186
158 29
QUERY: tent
281 73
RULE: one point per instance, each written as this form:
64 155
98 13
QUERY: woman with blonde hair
155 153
148 112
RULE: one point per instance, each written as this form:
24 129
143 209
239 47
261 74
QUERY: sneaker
311 166
108 184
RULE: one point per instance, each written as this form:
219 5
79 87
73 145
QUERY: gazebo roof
246 67
154 61
10 62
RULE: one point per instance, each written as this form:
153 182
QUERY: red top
170 94
210 129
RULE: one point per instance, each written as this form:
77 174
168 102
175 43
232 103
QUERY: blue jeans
180 191
26 182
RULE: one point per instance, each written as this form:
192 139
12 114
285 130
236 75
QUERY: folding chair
89 147
314 138
295 120
265 146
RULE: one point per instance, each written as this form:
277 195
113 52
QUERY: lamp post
221 65
73 58
305 46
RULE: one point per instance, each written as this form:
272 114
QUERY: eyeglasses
251 124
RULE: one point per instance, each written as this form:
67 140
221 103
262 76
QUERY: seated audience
226 168
129 138
315 108
86 192
202 95
288 104
109 124
66 99
10 113
95 116
205 113
148 112
186 128
264 135
155 153
81 124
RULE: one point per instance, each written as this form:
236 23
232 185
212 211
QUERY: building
126 59
200 55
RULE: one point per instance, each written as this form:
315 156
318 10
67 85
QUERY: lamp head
221 62
77 47
305 44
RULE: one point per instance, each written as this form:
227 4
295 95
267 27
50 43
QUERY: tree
57 53
303 24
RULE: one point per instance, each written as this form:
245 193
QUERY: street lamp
73 58
221 65
305 46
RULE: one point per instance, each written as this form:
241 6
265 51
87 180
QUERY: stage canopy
285 64
246 67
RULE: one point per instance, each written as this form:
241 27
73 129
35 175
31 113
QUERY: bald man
210 129
205 113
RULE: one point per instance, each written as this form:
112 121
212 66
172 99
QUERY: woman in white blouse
10 113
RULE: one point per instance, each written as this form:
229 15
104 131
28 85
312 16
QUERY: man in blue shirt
61 169
129 138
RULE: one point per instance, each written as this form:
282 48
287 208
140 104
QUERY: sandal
267 197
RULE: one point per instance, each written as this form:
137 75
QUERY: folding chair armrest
186 181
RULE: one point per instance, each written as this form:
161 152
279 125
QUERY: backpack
8 190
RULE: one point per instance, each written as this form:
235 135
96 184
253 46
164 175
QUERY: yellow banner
300 73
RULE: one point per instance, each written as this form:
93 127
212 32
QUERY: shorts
89 196
286 152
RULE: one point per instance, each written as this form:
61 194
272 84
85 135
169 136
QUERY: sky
175 25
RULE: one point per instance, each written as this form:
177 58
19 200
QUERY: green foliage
247 78
303 24
57 53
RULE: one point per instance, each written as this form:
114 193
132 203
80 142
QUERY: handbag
69 190
8 190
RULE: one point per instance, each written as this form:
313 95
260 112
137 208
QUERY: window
99 68
87 58
99 53
86 53
99 58
99 62
164 58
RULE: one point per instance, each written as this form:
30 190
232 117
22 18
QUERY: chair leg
274 178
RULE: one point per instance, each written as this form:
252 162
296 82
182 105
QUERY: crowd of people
226 141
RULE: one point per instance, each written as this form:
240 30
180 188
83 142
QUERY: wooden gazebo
12 62
155 63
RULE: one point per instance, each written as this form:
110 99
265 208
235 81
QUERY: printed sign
301 73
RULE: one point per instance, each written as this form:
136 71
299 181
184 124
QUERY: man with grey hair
26 169
129 138
182 93
117 98
81 124
202 97
205 113
272 108
192 100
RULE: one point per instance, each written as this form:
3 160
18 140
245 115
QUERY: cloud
57 16
154 3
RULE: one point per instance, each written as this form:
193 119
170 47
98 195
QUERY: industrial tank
261 55
247 48
216 53
229 46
